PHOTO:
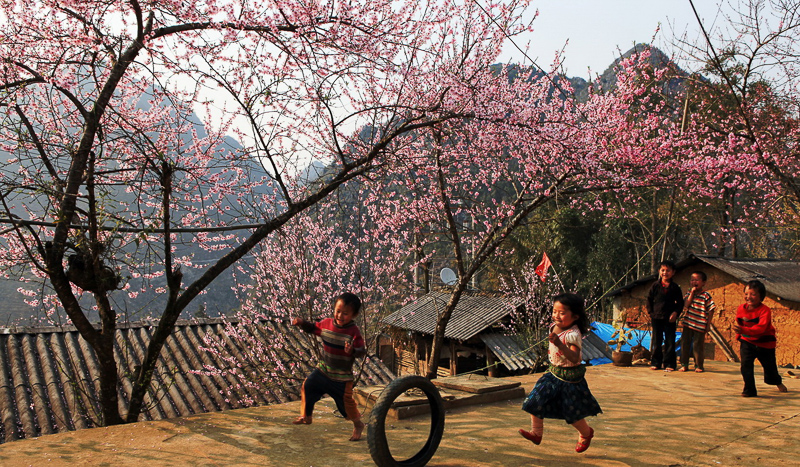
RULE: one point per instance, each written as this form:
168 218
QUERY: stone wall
728 293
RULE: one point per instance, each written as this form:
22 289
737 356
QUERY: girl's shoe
583 443
531 436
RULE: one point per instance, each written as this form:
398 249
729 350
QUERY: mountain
219 297
608 79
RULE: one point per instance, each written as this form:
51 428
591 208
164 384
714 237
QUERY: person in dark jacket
664 304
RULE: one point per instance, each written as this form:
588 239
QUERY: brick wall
728 293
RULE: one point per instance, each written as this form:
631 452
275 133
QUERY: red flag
541 269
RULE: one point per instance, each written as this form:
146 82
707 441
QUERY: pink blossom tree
106 175
470 184
328 249
746 112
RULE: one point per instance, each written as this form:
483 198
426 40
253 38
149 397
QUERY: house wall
727 292
411 357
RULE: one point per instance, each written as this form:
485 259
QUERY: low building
49 375
476 338
726 280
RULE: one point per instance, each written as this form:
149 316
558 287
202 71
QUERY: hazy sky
598 29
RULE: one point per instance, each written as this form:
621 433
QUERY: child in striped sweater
699 311
341 344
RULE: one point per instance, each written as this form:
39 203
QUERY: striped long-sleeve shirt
699 310
334 361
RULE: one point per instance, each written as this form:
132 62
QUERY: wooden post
453 359
426 350
416 361
490 362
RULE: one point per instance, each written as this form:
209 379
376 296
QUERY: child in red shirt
757 340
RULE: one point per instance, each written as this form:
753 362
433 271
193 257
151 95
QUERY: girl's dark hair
575 304
758 286
349 299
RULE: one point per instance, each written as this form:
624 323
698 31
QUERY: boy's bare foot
683 369
782 388
302 421
358 428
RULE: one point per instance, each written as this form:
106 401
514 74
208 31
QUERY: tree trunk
109 401
104 348
144 375
653 237
441 324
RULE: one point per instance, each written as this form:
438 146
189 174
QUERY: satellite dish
448 276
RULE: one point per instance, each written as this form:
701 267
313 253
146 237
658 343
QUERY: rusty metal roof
781 278
473 314
49 375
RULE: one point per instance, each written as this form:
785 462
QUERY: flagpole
555 273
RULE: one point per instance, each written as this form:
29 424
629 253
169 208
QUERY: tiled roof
473 314
781 278
49 375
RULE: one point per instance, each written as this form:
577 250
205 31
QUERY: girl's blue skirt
562 393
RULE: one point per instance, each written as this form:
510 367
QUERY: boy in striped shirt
341 344
698 310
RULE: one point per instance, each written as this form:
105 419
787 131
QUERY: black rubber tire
376 431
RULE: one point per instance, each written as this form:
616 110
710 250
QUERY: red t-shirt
756 326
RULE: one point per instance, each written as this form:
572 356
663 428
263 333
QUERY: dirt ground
650 418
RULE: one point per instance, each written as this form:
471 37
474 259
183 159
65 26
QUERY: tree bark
441 324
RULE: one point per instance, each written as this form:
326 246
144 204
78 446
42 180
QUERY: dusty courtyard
650 418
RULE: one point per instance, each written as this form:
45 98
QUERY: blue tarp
605 331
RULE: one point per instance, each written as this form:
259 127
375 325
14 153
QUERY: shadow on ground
650 418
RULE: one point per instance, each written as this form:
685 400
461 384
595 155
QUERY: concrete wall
728 293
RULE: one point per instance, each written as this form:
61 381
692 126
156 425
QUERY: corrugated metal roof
594 347
509 352
49 376
473 314
781 278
